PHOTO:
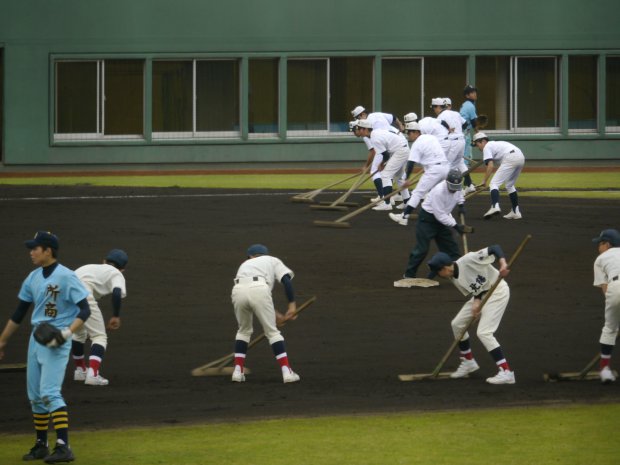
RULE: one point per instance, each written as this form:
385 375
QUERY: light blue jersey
468 112
55 298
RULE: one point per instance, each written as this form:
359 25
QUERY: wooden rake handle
465 248
363 177
314 193
484 301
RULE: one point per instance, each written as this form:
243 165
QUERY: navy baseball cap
118 256
43 239
257 249
608 235
469 88
437 262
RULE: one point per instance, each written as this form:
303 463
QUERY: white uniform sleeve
368 143
600 277
280 269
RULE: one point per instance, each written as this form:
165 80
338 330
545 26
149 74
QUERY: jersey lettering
50 307
475 287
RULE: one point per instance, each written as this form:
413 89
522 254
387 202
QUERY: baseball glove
482 121
50 336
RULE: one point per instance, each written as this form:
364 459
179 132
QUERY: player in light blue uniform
59 298
468 112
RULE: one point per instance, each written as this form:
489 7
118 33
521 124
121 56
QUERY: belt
615 278
512 151
247 280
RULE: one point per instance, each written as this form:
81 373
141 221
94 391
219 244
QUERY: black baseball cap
469 88
437 262
608 235
43 239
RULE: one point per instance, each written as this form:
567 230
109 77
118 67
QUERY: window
99 99
612 103
519 94
350 85
307 95
263 96
401 86
444 77
582 93
214 87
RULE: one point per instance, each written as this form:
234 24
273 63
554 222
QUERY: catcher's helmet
454 180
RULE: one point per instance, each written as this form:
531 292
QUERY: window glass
76 97
612 102
172 96
493 83
124 97
263 95
582 92
350 83
307 95
536 92
444 77
217 95
401 86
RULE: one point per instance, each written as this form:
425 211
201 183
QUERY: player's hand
503 268
291 312
381 166
114 323
280 319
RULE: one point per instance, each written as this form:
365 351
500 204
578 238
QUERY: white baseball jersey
271 269
430 125
381 120
384 140
440 202
607 266
497 150
454 120
100 280
475 274
427 151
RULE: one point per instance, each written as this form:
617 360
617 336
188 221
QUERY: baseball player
468 112
430 125
99 280
435 221
251 295
607 277
510 160
426 151
473 274
454 123
379 120
60 305
394 150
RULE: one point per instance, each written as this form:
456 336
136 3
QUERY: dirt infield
185 246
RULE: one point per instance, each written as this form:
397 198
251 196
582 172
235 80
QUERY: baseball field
185 242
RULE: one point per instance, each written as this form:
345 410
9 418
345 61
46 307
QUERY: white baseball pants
94 327
612 314
254 298
490 317
508 172
455 154
433 175
395 167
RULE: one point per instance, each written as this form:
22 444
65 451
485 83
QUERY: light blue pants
45 373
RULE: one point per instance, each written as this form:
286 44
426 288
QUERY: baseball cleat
494 210
38 452
468 189
62 453
399 219
237 377
79 374
514 215
290 377
375 199
502 377
465 368
401 206
398 198
607 376
383 207
95 380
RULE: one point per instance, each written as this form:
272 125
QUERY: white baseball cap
478 136
358 110
412 126
437 101
447 101
364 123
409 117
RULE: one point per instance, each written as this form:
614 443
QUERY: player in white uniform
607 277
436 222
99 280
394 150
425 151
251 295
473 274
432 126
453 122
510 160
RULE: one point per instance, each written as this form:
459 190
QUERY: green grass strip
566 435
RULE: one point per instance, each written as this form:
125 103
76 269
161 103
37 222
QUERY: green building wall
33 32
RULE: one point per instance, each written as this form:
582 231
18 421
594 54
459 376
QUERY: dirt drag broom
340 203
437 373
219 367
308 197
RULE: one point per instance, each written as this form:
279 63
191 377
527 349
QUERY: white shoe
468 189
398 198
383 207
494 210
289 376
513 215
238 376
399 219
375 199
401 206
465 368
502 377
93 380
79 374
607 376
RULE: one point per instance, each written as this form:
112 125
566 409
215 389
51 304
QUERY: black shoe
62 453
38 452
